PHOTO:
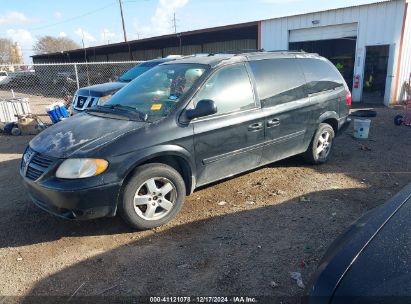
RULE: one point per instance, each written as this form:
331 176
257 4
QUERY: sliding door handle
273 123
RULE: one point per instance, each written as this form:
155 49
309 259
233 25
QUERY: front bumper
85 203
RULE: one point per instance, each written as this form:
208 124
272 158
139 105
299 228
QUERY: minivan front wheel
153 196
321 145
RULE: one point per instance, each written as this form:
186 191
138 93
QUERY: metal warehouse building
210 40
369 44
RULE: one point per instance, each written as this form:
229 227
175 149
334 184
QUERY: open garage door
324 32
336 43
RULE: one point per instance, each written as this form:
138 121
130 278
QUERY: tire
398 120
312 155
16 131
155 206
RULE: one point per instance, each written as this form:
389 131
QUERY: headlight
81 168
103 99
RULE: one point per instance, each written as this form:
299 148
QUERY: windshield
157 91
138 70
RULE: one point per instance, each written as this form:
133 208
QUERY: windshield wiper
143 116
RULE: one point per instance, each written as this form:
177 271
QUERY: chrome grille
33 173
35 164
83 102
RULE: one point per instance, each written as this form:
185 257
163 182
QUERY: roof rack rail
287 51
241 51
196 55
245 51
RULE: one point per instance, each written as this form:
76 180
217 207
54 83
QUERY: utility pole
104 39
174 23
122 19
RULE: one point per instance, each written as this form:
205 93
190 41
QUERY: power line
72 18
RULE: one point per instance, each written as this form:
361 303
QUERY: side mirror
204 107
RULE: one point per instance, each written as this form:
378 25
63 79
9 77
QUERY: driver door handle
255 126
275 122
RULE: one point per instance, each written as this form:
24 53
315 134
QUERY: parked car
24 79
4 78
181 125
371 261
97 94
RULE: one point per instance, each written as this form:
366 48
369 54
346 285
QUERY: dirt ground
273 219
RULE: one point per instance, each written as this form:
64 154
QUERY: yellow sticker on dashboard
156 106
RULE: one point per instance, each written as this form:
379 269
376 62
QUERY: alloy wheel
155 198
324 145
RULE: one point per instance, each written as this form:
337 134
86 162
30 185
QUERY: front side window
230 88
278 81
157 91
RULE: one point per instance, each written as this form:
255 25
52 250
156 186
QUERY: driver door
230 141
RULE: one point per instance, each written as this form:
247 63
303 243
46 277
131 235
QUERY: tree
10 53
49 44
6 46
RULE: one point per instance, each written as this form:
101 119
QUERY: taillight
348 97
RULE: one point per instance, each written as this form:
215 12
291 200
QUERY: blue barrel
61 108
53 112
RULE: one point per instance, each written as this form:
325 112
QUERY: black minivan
181 125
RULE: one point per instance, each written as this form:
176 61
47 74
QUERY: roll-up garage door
324 32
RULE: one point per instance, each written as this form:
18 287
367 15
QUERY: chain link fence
45 83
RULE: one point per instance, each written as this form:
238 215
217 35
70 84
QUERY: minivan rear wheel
321 145
152 197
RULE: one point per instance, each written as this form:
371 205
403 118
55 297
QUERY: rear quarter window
320 75
278 80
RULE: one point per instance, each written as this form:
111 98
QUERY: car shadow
233 249
33 225
238 253
13 144
22 223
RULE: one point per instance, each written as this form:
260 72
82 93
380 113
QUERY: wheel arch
174 156
330 118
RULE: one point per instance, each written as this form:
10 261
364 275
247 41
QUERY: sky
97 22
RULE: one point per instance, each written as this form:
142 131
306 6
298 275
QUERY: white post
75 70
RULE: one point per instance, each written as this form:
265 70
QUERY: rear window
321 76
278 81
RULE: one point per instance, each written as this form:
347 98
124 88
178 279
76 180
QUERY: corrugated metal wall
146 54
119 56
213 47
405 69
185 50
378 24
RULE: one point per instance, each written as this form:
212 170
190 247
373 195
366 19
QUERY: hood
81 132
382 267
100 90
371 251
